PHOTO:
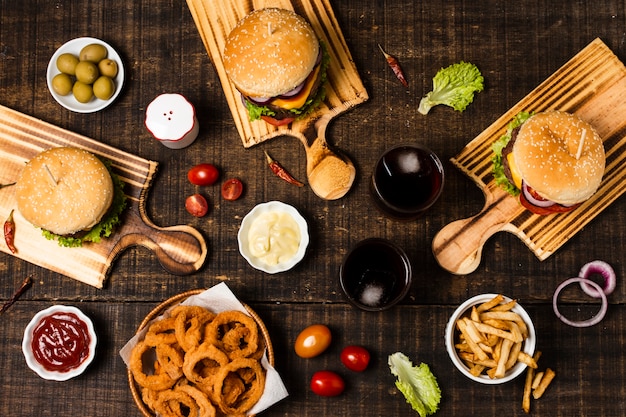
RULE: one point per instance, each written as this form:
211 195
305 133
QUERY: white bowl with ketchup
59 343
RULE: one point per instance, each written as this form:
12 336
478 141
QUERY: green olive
82 92
103 88
108 67
62 84
93 52
67 63
87 72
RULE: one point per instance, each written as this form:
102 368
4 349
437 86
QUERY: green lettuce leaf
417 383
498 169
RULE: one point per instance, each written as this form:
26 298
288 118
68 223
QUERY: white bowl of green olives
85 75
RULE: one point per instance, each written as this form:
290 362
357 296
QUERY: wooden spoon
330 175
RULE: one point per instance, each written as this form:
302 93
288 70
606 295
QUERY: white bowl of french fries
490 338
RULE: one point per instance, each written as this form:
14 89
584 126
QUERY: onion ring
582 323
251 395
601 268
156 382
235 333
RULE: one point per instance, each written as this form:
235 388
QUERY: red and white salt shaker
172 120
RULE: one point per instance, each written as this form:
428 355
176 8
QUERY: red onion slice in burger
295 91
532 199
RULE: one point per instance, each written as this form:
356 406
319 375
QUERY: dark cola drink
406 181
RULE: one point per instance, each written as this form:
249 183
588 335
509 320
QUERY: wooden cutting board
344 89
593 86
181 250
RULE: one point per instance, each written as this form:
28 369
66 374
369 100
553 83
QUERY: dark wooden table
516 45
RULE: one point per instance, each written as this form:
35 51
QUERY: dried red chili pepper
25 284
9 232
395 66
281 172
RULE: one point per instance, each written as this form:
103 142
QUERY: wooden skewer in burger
553 161
277 63
71 195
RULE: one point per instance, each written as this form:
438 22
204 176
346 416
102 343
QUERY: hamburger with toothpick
276 61
552 160
70 194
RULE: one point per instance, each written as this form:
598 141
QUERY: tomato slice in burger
277 122
544 211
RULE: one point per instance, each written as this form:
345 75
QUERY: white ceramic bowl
255 213
451 332
28 337
69 102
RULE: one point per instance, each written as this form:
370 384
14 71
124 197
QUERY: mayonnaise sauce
274 237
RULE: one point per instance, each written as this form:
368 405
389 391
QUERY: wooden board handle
458 246
181 250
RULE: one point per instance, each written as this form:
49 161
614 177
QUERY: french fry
548 376
515 350
486 328
505 351
505 306
537 379
491 303
470 342
528 385
527 359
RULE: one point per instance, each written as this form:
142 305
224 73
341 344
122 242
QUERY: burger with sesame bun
553 161
71 195
277 63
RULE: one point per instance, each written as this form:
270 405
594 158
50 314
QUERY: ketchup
61 342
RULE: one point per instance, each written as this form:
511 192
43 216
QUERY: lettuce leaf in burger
554 161
277 63
71 195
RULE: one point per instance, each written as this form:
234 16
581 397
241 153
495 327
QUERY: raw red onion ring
583 323
602 268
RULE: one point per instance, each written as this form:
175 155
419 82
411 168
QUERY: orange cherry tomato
312 341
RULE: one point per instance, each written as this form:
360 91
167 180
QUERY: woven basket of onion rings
199 357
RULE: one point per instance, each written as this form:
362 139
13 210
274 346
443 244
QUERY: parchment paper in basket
220 298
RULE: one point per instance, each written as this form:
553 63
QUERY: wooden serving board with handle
591 85
344 88
181 250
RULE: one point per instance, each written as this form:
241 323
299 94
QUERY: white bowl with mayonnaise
273 237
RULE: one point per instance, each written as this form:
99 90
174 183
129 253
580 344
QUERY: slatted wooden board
180 249
593 86
344 89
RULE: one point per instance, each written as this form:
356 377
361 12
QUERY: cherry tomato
327 384
355 358
232 189
276 122
203 174
196 205
312 341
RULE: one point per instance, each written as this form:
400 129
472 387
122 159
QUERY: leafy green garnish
417 383
453 86
498 168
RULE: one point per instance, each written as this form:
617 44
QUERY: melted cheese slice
517 177
299 99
